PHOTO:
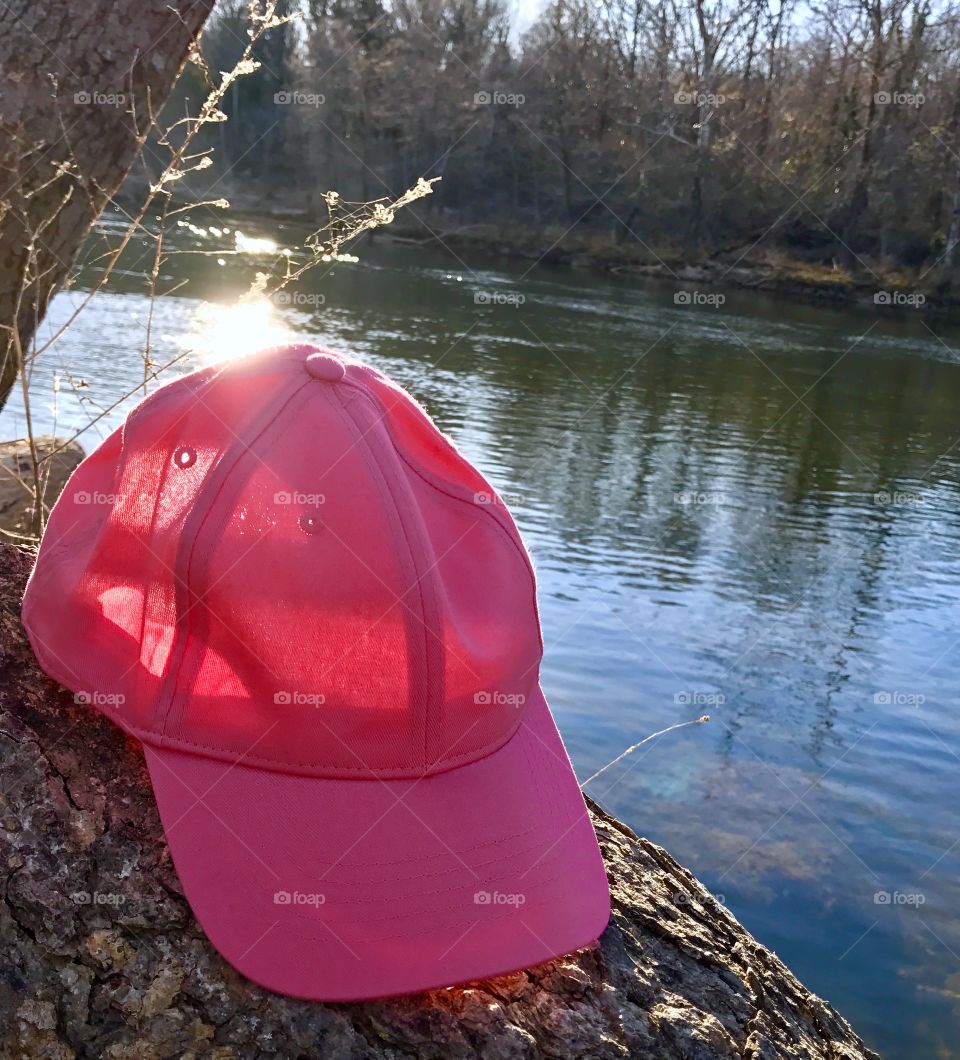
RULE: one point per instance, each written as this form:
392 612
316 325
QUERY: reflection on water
750 511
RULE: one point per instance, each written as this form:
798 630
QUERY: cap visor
340 890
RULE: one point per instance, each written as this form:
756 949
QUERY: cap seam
194 383
153 513
426 628
167 742
184 633
159 741
445 487
510 531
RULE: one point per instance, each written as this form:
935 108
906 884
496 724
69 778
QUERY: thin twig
647 739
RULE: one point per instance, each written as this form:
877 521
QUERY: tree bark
78 83
101 957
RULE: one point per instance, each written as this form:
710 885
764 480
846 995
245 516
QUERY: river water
748 509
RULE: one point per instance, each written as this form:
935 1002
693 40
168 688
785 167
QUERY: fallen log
100 955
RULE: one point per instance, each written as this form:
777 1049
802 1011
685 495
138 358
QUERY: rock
674 975
57 457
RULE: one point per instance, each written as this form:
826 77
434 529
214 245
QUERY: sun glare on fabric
223 332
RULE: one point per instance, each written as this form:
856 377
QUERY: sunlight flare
254 244
221 332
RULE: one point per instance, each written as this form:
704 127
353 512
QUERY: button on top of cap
326 367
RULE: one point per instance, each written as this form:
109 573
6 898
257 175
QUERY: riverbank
751 265
893 292
675 975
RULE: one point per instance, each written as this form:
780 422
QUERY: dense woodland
825 132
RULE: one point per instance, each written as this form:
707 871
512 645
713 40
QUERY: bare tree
80 87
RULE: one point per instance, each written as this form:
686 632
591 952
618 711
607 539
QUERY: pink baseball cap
321 622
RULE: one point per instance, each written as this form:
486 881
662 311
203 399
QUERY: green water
750 510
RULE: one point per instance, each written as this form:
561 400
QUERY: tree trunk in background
77 85
859 200
951 254
675 975
951 251
770 80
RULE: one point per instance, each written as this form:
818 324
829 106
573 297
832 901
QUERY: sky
524 12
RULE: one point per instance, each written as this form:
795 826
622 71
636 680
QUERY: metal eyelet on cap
184 456
310 523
